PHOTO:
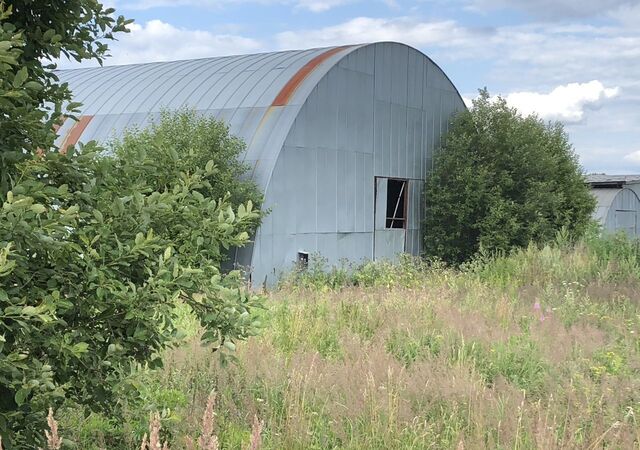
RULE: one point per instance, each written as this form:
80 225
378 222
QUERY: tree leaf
21 396
20 77
38 208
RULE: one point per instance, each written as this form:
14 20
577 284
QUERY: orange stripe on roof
292 85
75 132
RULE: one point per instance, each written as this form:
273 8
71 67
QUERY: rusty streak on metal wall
290 88
74 134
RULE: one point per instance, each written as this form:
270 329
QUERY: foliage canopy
501 181
32 101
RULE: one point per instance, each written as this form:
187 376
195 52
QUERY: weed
535 349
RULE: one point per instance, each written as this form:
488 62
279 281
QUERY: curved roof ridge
202 58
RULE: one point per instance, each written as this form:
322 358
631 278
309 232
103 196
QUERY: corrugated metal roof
601 178
258 96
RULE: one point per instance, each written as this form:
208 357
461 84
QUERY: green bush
97 251
502 181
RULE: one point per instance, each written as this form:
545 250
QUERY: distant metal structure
340 139
618 198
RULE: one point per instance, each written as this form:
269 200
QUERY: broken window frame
398 221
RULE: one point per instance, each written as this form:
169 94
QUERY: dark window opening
303 260
396 204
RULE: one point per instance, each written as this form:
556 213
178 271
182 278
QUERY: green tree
501 181
32 101
97 246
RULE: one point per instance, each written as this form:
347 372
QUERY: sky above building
576 61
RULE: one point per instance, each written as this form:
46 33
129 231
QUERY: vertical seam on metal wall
373 142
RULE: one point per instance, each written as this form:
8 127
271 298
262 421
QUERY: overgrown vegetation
109 260
97 251
536 349
98 247
501 181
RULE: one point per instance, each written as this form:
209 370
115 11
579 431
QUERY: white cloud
445 33
160 41
556 9
320 5
552 53
628 15
310 5
633 157
565 103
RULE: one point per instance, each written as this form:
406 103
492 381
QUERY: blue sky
568 60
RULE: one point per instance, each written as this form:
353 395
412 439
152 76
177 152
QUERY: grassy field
540 349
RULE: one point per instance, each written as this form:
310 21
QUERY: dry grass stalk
154 442
616 425
0 442
189 443
256 434
208 440
54 442
154 432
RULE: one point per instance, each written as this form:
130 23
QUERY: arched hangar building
618 202
339 139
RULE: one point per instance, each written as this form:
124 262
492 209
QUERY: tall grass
539 349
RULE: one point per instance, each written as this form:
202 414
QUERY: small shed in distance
618 198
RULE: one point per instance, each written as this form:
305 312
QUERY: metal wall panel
398 60
359 195
389 244
381 203
369 192
127 96
327 190
205 86
416 80
305 192
626 221
416 148
382 136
